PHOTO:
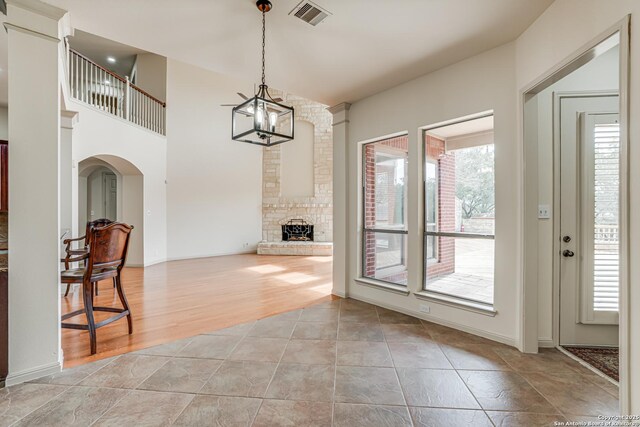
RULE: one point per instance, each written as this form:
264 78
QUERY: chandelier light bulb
273 120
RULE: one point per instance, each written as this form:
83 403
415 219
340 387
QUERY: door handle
567 253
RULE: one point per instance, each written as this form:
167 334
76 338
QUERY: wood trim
164 104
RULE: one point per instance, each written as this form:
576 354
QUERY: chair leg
96 285
114 283
67 291
92 299
123 300
87 293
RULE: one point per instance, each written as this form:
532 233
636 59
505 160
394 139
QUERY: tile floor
341 363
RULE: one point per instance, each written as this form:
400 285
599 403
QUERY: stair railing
103 89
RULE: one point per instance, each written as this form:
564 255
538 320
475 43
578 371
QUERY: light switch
544 212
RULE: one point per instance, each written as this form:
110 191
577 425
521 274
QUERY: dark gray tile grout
338 309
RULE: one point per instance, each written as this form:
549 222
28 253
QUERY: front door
589 219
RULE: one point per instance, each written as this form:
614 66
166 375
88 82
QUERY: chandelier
262 119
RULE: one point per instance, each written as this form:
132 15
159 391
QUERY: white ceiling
366 45
482 124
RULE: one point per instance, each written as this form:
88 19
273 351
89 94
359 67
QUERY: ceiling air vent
310 12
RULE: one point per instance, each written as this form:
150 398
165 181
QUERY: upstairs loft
117 79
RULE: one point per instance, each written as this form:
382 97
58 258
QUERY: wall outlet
544 212
424 308
245 245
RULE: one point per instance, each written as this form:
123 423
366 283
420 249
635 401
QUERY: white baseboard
464 328
545 343
339 293
34 373
211 255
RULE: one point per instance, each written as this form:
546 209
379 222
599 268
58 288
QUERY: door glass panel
606 245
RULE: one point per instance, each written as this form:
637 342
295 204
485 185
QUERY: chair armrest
68 241
69 259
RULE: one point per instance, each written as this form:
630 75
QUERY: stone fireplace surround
316 210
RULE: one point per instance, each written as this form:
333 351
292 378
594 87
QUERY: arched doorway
112 187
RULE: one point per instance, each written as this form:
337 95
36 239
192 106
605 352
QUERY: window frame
433 259
397 231
424 291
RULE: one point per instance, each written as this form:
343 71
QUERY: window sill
383 285
476 307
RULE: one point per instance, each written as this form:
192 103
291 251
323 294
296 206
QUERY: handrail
147 94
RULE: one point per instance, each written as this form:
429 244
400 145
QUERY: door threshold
587 365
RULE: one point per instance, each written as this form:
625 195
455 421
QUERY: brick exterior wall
317 210
446 251
369 159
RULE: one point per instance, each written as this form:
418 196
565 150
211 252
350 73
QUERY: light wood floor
180 299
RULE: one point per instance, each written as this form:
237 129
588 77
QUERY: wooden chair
105 260
76 254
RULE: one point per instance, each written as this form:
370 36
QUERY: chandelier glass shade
261 120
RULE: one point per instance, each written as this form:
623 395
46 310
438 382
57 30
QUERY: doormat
604 359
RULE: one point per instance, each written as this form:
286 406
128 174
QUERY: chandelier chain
263 46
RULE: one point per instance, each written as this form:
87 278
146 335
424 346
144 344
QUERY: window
600 243
385 204
459 210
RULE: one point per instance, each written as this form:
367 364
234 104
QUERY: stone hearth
296 248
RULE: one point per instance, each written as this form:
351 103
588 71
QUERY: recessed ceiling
364 47
482 124
100 50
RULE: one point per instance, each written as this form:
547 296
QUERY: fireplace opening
297 230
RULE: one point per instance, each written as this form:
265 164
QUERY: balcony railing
102 89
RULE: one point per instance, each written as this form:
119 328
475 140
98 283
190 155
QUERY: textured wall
317 210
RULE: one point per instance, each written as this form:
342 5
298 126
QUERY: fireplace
297 230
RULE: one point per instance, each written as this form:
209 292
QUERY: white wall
151 74
98 134
484 82
599 74
564 27
4 123
296 163
214 193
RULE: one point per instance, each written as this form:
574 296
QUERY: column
340 197
34 195
68 176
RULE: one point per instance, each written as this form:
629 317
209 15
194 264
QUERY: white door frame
528 337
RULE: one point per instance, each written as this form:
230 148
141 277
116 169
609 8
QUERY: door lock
567 253
566 239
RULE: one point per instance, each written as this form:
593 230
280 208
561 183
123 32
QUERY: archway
112 187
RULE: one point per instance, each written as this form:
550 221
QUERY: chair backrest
95 223
109 245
